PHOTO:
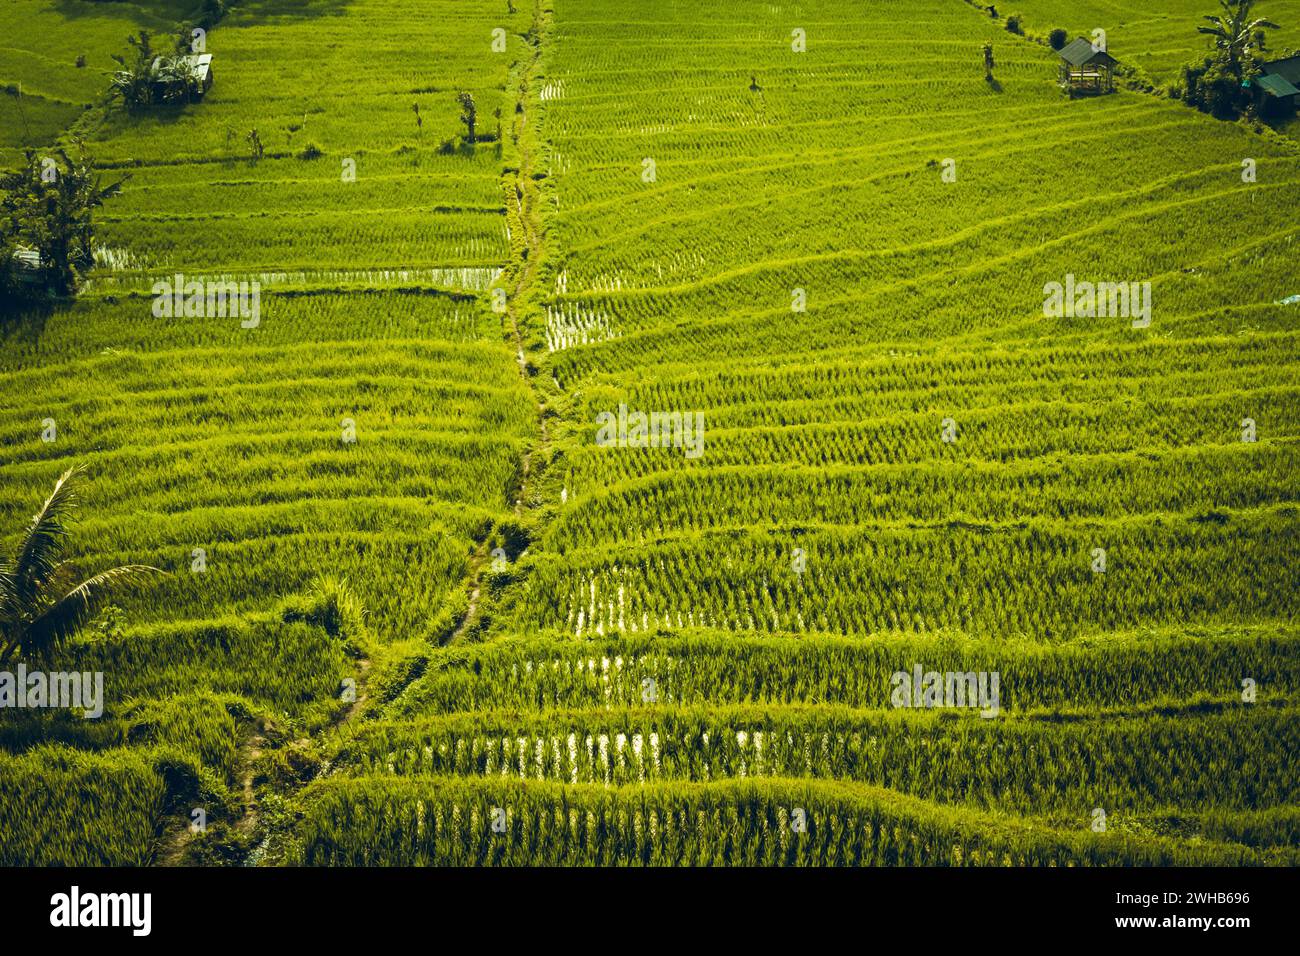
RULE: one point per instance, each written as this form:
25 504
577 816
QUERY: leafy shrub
1213 89
1057 39
331 605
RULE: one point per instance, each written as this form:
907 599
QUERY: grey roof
1080 53
1288 69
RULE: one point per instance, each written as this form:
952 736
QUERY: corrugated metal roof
1276 85
1288 69
27 258
200 64
1080 52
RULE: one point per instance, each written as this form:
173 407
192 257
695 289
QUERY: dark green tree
1237 36
133 84
49 205
152 77
1220 84
468 115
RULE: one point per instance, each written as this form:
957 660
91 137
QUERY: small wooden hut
1085 69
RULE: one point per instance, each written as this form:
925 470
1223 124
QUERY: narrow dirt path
523 209
476 586
177 838
521 185
523 213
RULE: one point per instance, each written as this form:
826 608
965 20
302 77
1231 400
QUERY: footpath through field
915 570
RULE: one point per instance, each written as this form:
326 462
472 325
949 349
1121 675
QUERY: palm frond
108 192
42 543
8 603
61 619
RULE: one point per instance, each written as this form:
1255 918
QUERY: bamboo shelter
1085 69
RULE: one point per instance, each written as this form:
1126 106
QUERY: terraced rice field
838 257
1158 37
213 444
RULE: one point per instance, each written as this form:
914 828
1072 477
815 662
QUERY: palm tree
1235 33
37 613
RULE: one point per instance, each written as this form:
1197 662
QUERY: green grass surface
680 651
1158 37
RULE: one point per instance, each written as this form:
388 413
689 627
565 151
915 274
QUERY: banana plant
1235 33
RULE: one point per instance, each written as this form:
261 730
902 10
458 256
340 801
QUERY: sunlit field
688 467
